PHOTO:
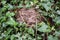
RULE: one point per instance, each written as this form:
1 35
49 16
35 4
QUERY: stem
36 30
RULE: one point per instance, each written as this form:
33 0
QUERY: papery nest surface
29 16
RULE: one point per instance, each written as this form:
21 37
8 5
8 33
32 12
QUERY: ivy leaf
8 31
50 37
58 12
28 6
4 8
31 31
12 22
44 0
47 0
57 20
35 1
3 2
3 18
47 6
20 6
57 33
9 14
12 37
43 27
10 7
4 24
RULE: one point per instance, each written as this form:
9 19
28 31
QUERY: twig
36 30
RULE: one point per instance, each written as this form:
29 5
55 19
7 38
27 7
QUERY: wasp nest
29 16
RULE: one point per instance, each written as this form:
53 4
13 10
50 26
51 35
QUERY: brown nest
29 16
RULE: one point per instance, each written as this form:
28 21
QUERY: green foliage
50 37
10 29
31 31
57 20
9 14
44 27
47 6
11 22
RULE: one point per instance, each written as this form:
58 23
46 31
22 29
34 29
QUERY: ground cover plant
29 19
